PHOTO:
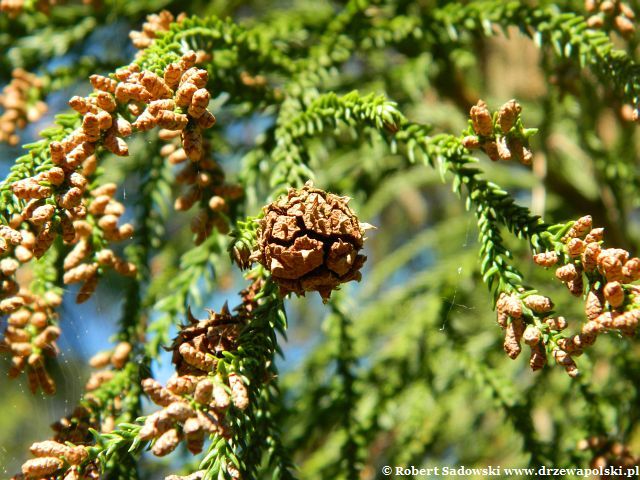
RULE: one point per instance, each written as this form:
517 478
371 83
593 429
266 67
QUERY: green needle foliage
375 100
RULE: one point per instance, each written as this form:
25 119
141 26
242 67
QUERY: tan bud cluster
500 141
83 265
116 358
17 99
564 359
53 456
178 420
30 336
608 454
546 259
609 14
205 185
195 352
610 303
155 23
102 125
511 318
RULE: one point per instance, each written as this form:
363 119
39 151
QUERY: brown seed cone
310 242
196 347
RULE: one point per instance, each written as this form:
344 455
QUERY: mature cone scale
310 242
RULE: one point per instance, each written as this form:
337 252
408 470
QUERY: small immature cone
564 359
203 391
610 263
195 358
166 443
40 467
567 272
471 142
538 303
192 143
556 323
491 149
513 335
158 394
100 360
481 119
590 256
239 394
594 304
576 286
631 269
538 358
508 115
614 294
221 398
531 335
183 384
575 247
546 259
581 227
121 354
503 148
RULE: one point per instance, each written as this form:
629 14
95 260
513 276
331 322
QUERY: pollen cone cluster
58 200
608 453
310 241
204 185
30 337
612 14
155 24
195 400
612 303
21 103
53 457
500 136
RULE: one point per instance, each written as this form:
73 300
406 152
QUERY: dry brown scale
19 100
614 12
309 240
498 139
30 337
608 453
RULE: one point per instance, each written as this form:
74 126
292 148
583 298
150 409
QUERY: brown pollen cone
310 241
